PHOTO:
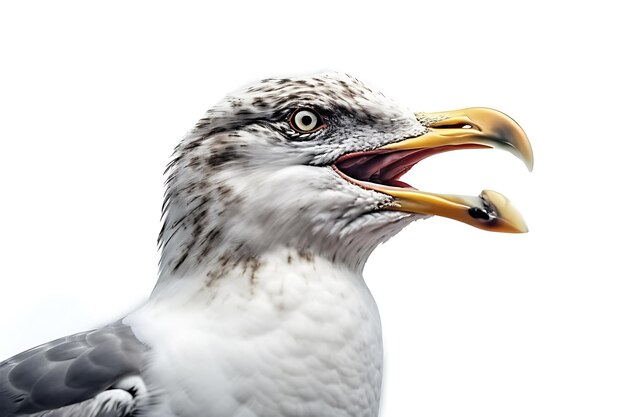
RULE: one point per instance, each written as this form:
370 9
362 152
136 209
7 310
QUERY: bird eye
306 121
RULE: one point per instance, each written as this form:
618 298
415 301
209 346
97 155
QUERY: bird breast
290 334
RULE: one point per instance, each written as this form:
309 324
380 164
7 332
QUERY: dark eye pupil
306 120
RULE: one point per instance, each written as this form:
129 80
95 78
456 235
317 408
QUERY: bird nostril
456 126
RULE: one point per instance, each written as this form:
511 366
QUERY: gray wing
69 371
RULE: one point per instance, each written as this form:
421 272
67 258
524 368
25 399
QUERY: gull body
274 202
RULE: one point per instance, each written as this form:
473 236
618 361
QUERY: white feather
299 336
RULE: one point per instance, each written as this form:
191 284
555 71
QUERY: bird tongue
369 164
379 167
385 167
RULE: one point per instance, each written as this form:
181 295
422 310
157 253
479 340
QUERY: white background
93 98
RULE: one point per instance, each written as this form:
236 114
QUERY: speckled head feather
245 181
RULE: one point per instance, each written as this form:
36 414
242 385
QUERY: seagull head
314 164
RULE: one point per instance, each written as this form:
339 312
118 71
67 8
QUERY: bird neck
193 242
208 232
232 273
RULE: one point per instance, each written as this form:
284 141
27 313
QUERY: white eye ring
305 121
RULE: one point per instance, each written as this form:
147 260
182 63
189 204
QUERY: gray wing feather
69 370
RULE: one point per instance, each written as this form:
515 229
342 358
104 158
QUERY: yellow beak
467 128
474 126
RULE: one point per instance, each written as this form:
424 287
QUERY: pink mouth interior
387 166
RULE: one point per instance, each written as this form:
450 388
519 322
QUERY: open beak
381 169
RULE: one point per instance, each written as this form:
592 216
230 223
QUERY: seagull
274 201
